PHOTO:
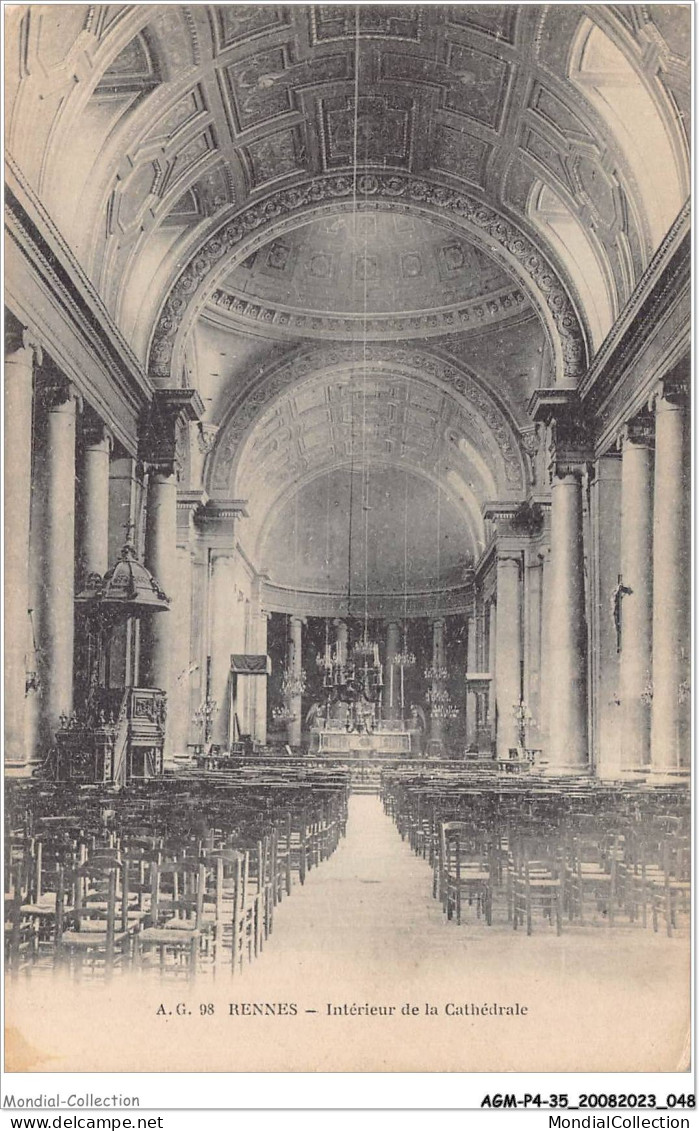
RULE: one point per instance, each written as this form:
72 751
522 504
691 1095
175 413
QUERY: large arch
511 470
234 240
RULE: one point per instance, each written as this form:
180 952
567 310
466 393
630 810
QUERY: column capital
637 433
95 432
569 441
669 392
507 559
55 392
22 340
169 411
206 437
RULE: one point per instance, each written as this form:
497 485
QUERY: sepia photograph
347 539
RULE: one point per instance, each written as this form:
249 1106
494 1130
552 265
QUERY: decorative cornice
191 501
489 309
665 281
416 604
397 191
218 510
52 261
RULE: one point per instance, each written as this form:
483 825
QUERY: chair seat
90 938
168 936
39 909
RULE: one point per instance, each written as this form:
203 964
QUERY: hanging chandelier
284 714
293 683
436 673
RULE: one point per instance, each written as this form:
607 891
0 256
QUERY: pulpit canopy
126 590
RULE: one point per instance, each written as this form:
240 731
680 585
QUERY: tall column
260 683
341 639
567 641
634 595
124 491
391 675
670 578
58 556
544 622
171 412
294 667
183 661
471 668
604 567
568 751
19 378
532 643
94 498
438 661
223 606
491 630
508 651
157 636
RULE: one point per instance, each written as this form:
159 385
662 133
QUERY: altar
384 739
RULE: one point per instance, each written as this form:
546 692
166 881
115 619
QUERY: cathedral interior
347 433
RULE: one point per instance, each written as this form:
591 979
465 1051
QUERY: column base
568 771
20 769
663 776
626 773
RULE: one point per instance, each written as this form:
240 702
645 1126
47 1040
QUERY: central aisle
364 931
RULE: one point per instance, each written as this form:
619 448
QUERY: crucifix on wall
618 595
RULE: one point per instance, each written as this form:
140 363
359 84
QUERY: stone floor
365 931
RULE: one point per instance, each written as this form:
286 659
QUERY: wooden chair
466 872
176 921
671 888
593 868
537 884
96 932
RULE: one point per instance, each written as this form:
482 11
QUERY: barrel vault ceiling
151 132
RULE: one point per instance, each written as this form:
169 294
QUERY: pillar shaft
438 661
94 518
634 600
392 674
341 639
58 554
508 652
260 683
159 628
19 373
472 668
568 745
223 605
670 607
294 668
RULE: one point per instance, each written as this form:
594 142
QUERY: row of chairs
567 854
176 880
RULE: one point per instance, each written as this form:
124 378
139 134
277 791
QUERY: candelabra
204 716
436 674
523 718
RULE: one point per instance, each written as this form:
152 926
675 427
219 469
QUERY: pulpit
115 735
